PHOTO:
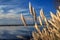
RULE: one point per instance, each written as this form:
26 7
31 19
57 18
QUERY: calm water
13 31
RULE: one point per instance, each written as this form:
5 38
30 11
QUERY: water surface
11 32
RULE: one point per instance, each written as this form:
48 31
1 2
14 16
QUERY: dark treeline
17 25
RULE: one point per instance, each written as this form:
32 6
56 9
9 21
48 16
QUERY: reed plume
32 12
41 14
23 20
40 20
59 7
37 28
51 28
58 13
34 15
30 8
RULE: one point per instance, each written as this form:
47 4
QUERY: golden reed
23 20
51 30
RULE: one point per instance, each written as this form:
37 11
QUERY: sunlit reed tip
34 14
30 8
23 20
37 28
54 17
53 24
42 14
21 37
59 7
58 13
46 21
40 20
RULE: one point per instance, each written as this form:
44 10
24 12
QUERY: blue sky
11 9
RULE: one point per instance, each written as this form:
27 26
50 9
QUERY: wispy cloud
3 6
12 13
12 16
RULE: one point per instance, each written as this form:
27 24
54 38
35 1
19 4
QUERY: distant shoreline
20 25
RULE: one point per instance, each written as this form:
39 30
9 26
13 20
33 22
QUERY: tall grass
51 30
23 20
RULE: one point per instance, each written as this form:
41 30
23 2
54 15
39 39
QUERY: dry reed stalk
46 22
23 20
21 37
30 8
54 17
44 29
32 11
34 15
58 35
45 34
53 24
36 36
58 13
52 37
49 33
40 20
56 23
42 15
49 29
37 28
55 31
59 7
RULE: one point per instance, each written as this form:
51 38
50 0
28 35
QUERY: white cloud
1 11
12 13
3 6
19 9
14 16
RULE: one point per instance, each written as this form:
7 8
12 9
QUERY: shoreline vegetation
19 25
50 31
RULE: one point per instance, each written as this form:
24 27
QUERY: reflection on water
11 32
